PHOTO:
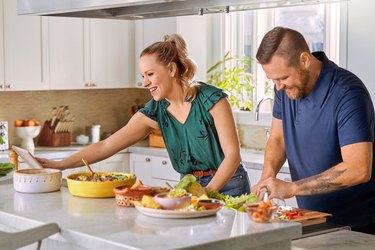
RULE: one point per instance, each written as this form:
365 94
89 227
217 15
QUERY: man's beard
296 92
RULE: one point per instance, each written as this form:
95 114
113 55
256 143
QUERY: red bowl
125 196
210 203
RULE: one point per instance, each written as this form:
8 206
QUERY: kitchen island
88 223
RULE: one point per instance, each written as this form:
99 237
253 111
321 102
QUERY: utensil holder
48 137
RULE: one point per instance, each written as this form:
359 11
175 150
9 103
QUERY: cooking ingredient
234 202
26 123
176 193
290 214
262 211
102 177
191 185
6 168
148 201
13 158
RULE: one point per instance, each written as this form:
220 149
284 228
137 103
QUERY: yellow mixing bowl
96 189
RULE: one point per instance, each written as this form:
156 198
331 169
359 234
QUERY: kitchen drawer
162 169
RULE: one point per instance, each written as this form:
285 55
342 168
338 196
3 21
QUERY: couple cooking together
323 124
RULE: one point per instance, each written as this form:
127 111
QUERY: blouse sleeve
150 110
210 95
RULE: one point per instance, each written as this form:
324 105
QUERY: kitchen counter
252 158
339 240
88 223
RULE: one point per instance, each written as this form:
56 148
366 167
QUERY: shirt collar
323 83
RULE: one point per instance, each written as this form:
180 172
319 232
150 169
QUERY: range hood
142 9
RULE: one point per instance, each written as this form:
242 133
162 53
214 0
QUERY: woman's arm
138 127
228 137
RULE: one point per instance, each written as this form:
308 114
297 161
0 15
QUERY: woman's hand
49 164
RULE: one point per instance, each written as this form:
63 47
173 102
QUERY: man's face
292 79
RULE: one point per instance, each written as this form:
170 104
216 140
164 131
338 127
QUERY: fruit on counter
26 123
6 168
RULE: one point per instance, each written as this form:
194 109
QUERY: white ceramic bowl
82 139
37 180
172 203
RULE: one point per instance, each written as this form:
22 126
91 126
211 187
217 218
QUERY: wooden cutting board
311 217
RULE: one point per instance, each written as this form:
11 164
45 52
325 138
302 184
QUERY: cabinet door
162 171
116 163
111 53
23 57
146 33
66 53
140 165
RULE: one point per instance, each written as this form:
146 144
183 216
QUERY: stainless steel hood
142 9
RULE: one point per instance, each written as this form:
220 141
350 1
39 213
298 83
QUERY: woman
195 119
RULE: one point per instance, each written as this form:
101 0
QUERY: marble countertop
100 224
339 240
252 158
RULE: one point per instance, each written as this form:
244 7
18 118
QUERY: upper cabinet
21 55
194 29
90 53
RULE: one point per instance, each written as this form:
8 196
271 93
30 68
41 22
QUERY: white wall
361 41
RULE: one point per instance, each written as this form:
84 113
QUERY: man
323 123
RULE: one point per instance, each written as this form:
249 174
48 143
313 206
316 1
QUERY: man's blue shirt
337 112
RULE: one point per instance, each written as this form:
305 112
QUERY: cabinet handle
8 86
148 159
93 84
164 162
2 86
87 84
139 84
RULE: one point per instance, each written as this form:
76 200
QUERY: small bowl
82 139
125 196
209 203
172 203
259 212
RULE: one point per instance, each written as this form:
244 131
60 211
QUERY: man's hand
276 188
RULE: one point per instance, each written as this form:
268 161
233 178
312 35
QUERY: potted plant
232 75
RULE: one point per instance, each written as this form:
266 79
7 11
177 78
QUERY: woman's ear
172 69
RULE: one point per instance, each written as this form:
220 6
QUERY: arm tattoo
322 183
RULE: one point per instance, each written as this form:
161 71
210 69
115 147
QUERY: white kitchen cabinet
89 53
255 174
153 170
21 55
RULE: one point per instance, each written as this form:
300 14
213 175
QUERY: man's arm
274 156
355 169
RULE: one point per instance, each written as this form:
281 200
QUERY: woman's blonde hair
173 49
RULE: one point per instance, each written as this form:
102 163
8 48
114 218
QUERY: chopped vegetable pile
234 202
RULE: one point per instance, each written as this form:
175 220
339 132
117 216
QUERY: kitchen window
244 30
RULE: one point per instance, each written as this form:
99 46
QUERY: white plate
175 214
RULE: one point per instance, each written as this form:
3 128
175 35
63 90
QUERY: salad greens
234 202
6 168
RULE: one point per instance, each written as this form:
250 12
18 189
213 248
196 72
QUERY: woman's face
156 77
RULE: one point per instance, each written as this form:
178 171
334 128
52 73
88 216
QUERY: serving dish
96 189
176 214
171 203
125 195
209 203
37 180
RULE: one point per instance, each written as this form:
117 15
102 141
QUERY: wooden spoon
88 166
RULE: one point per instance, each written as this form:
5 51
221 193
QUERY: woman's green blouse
193 145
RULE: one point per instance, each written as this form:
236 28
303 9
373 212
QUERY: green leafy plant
232 75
